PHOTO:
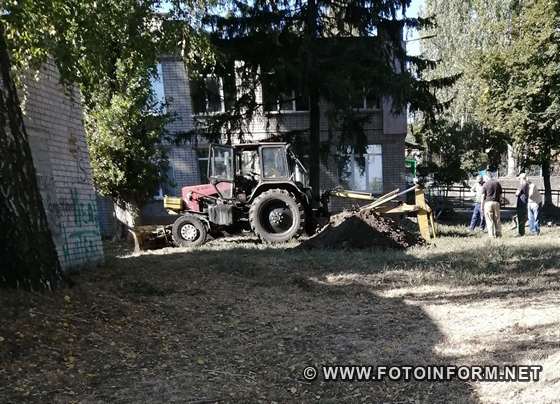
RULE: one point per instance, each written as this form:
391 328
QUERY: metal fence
461 196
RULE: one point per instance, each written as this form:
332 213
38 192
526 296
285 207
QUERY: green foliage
110 50
521 83
461 30
461 141
126 141
459 151
507 53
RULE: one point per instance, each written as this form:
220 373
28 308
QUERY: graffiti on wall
80 231
76 226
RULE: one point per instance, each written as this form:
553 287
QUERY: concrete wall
53 119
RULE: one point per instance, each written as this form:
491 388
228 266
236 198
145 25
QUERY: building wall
53 120
184 169
384 127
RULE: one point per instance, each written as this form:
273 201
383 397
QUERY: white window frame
376 150
206 103
278 103
157 83
366 107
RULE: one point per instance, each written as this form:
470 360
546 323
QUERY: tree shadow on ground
234 325
230 323
241 326
277 310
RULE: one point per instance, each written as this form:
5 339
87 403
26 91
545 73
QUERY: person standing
522 195
534 208
490 202
477 214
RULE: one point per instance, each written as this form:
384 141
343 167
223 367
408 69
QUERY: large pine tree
330 52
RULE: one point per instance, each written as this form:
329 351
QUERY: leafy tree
329 52
521 86
457 151
126 142
110 50
461 31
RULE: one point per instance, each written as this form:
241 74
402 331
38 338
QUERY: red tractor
261 187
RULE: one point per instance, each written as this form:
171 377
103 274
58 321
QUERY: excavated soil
362 229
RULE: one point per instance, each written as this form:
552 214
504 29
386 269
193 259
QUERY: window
298 170
249 163
156 83
206 95
202 155
288 100
285 102
368 177
274 162
367 101
222 163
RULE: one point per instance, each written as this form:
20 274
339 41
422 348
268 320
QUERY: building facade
381 169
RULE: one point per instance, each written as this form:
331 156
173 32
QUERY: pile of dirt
362 229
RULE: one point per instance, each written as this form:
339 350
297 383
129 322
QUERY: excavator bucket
388 204
425 215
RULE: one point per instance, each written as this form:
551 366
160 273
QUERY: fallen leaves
218 325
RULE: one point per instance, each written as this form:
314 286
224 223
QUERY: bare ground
236 321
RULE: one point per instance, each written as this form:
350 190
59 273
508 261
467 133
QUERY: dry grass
236 321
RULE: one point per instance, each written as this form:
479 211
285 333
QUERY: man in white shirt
477 215
534 208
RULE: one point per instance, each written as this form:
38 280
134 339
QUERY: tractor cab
240 171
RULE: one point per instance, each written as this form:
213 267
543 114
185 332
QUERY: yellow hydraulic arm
386 204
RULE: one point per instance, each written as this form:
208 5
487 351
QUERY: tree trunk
315 143
27 251
545 168
314 109
511 166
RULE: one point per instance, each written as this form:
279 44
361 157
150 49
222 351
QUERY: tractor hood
193 194
195 191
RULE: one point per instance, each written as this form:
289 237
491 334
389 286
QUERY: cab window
222 163
274 162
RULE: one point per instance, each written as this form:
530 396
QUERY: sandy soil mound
363 229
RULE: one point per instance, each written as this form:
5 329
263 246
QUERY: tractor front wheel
276 216
188 231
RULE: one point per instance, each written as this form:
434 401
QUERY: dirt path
238 322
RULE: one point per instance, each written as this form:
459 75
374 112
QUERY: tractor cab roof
255 145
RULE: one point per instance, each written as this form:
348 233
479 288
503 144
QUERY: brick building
384 163
53 120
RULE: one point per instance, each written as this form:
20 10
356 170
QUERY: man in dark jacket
490 202
522 195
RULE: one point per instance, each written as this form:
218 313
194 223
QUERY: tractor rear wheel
188 231
276 216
